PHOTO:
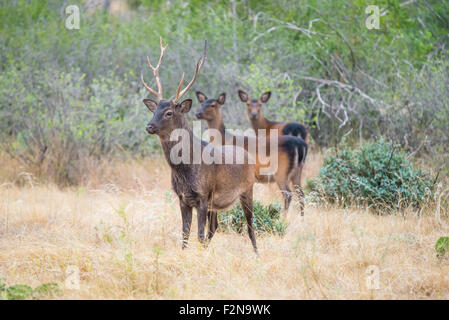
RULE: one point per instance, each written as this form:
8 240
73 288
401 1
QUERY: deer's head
254 105
169 114
210 108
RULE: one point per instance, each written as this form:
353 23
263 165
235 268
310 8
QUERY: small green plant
155 284
19 292
266 219
25 292
120 236
47 290
378 175
442 246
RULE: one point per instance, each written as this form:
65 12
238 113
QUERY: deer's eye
169 114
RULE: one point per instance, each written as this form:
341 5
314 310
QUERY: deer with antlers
206 187
289 156
258 121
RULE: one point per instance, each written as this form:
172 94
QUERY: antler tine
179 87
199 65
149 89
156 73
162 53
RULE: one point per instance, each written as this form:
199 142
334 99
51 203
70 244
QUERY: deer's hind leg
282 182
246 199
213 223
296 181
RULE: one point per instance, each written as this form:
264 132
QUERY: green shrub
266 220
19 292
442 246
378 175
24 292
46 290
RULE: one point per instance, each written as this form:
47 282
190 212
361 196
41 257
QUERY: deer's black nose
199 115
150 129
254 115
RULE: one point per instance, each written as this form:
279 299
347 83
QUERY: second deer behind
258 121
289 155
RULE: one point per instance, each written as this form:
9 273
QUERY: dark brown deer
290 157
258 121
206 187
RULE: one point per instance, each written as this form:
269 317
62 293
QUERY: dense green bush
378 175
266 219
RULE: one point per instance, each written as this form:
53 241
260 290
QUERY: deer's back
295 129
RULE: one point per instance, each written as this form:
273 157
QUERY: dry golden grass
44 229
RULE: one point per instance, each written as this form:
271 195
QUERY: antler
155 70
199 64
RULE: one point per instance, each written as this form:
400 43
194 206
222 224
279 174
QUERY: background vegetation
71 95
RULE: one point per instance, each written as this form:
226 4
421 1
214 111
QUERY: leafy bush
266 219
378 175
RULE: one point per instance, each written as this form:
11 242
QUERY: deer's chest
185 188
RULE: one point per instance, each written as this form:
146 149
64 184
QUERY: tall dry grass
122 229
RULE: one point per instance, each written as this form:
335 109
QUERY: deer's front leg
202 218
186 213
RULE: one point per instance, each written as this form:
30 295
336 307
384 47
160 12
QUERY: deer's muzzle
199 115
151 129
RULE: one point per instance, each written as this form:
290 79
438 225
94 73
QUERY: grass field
123 229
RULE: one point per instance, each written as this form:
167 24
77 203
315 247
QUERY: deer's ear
184 106
151 104
222 98
243 96
265 97
201 96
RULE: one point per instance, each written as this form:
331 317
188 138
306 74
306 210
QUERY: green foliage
442 246
78 92
47 290
378 174
19 292
266 219
54 109
25 292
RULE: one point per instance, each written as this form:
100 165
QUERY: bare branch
344 86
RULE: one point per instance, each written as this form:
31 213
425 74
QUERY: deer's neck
260 123
185 145
218 124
